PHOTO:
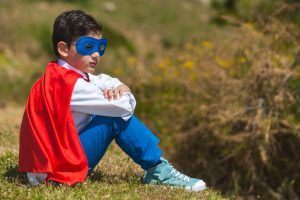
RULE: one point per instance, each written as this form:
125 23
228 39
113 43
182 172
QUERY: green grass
151 43
25 47
116 177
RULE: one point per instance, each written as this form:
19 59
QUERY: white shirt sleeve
88 98
104 81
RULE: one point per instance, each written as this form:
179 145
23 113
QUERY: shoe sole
198 187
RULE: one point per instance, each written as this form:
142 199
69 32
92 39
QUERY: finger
110 94
121 91
117 93
105 94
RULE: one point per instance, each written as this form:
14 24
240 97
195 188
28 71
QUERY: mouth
93 64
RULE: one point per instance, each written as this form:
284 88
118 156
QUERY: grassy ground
146 26
116 177
226 97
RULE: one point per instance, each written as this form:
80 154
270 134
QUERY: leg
95 139
141 145
132 136
138 142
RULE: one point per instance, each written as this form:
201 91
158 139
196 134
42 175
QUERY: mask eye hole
88 46
102 47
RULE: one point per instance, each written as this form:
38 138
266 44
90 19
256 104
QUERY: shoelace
179 175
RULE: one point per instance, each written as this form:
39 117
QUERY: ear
63 49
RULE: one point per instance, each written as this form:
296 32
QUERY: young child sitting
72 116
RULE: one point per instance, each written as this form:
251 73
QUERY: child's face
86 63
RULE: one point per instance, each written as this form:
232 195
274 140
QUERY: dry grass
244 126
225 98
116 177
10 119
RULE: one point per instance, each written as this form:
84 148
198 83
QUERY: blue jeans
132 136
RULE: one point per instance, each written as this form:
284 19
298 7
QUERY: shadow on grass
13 176
96 176
9 173
129 177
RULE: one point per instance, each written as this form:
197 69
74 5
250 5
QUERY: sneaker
165 174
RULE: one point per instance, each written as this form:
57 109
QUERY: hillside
116 177
216 80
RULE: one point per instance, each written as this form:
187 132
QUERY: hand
116 93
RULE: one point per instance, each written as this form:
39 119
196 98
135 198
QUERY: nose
95 54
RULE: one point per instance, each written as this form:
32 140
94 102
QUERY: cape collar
66 65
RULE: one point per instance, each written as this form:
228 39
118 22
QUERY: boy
72 116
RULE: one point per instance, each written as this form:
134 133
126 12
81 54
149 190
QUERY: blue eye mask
89 45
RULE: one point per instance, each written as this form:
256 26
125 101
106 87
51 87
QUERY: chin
91 71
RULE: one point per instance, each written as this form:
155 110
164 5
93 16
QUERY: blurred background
217 80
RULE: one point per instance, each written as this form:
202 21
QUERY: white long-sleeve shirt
88 100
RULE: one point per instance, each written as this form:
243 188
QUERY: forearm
102 97
98 105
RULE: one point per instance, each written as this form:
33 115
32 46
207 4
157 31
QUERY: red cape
49 142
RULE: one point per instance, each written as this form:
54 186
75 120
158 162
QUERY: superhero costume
49 142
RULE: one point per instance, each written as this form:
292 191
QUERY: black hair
71 24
